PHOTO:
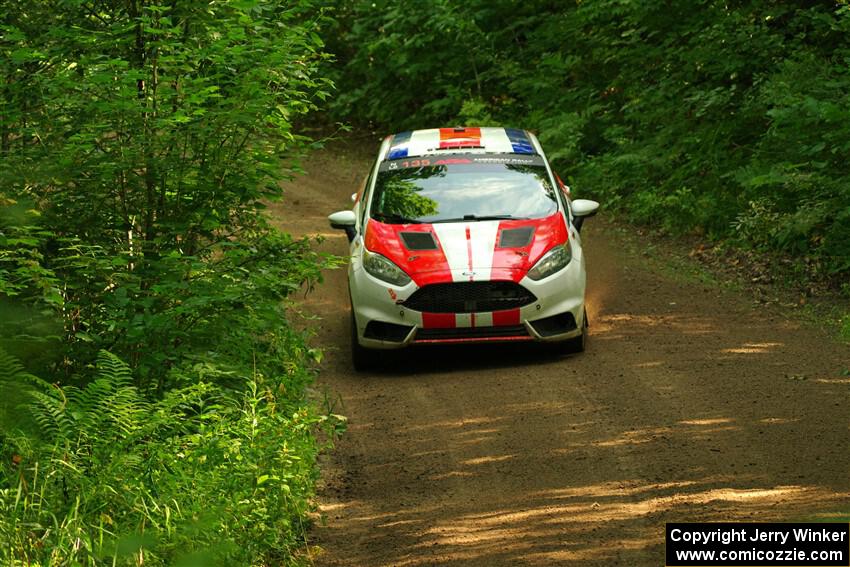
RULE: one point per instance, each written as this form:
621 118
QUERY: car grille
512 331
469 297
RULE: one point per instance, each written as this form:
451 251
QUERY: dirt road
689 405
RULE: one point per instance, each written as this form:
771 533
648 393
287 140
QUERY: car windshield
462 187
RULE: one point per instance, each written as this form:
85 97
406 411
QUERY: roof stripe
460 138
424 142
399 144
496 140
476 140
519 140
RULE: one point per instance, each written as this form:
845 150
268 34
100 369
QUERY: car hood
468 250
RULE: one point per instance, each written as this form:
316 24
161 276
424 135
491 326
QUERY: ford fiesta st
463 235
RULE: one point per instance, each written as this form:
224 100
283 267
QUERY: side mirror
582 209
344 220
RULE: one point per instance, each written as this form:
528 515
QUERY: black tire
361 358
578 344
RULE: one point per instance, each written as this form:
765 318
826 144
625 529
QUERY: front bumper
383 321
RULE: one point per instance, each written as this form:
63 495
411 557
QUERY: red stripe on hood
431 266
513 263
423 266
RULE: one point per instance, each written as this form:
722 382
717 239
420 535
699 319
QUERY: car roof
459 140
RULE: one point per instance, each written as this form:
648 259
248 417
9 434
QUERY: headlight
556 259
383 269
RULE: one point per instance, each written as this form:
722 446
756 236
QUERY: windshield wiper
393 218
481 218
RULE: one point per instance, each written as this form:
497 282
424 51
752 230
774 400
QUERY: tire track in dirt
687 406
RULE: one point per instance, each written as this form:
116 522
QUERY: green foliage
845 328
146 137
139 141
230 475
725 119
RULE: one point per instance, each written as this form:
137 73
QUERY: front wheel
577 344
361 358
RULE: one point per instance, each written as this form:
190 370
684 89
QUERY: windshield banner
460 159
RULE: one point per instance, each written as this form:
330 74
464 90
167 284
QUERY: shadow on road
689 405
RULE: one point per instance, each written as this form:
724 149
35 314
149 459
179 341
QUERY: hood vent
516 237
418 240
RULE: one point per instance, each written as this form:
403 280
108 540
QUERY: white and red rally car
464 235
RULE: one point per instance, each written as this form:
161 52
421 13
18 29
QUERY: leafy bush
143 141
680 114
139 142
115 476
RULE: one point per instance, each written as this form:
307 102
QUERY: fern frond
114 369
49 412
88 403
28 403
126 410
112 398
10 368
13 375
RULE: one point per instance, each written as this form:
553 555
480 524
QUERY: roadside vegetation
724 120
153 402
